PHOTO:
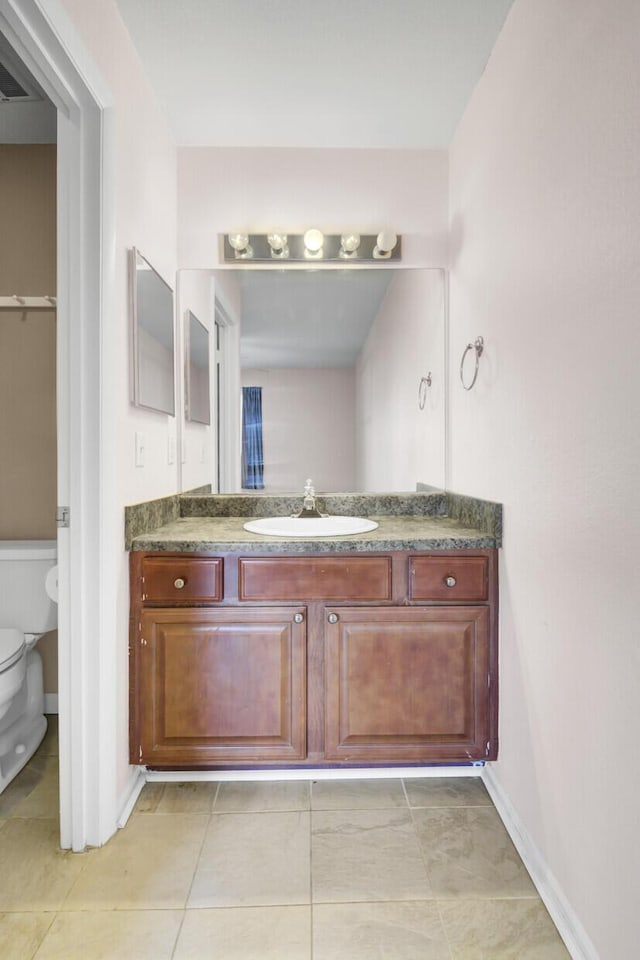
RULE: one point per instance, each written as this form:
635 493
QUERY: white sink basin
310 526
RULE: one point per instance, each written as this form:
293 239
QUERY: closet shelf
16 302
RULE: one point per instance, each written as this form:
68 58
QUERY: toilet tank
24 602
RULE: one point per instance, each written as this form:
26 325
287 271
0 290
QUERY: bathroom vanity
255 652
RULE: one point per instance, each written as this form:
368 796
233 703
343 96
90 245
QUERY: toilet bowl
28 608
13 666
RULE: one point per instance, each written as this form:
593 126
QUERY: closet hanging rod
27 303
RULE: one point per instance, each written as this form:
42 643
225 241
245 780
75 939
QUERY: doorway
28 321
53 56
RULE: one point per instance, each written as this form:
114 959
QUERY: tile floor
347 870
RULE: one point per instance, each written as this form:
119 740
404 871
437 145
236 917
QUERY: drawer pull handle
298 618
450 581
179 583
333 618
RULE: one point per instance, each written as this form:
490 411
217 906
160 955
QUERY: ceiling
314 73
308 318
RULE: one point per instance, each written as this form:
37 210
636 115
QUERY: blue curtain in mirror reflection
252 456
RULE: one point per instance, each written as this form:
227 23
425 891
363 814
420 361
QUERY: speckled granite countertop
214 524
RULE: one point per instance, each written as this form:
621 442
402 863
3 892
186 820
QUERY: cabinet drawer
448 578
180 579
315 578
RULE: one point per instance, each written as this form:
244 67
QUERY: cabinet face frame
230 589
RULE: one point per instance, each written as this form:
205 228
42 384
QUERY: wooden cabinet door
407 684
220 685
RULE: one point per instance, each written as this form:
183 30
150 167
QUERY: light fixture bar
348 247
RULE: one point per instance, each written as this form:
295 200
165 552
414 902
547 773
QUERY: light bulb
278 244
349 243
277 240
313 242
239 242
385 242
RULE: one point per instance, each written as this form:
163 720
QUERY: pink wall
222 189
145 217
144 172
545 219
398 444
308 427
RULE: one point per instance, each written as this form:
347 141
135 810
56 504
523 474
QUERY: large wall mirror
351 368
152 328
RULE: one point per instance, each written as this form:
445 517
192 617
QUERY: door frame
227 391
44 37
227 409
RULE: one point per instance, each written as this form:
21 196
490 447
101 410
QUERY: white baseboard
562 913
138 781
51 703
310 773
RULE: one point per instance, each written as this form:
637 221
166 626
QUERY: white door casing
44 38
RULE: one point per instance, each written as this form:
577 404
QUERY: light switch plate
141 446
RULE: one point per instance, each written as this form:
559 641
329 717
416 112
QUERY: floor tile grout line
177 940
54 915
198 858
444 930
215 800
454 806
71 853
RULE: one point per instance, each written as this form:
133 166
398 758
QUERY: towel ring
478 346
425 383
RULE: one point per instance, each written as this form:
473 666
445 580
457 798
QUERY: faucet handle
308 488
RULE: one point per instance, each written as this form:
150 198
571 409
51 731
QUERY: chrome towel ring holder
478 346
425 383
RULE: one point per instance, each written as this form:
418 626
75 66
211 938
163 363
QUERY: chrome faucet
309 508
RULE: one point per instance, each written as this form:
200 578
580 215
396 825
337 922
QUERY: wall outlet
141 448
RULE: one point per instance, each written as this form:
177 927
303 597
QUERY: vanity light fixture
385 243
349 243
279 246
239 242
313 244
346 248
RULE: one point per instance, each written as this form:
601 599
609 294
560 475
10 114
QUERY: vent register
17 85
10 88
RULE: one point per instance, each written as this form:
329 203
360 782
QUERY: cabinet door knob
179 583
333 618
450 581
298 618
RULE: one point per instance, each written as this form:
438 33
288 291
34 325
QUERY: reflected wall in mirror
339 355
196 373
152 379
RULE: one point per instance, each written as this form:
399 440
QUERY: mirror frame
138 397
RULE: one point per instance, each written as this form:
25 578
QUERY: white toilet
28 608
